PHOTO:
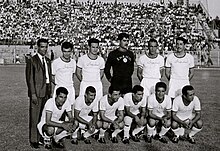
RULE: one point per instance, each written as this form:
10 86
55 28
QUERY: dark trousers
122 83
35 112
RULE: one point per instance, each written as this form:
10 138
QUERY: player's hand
67 126
185 124
34 99
115 125
164 120
91 129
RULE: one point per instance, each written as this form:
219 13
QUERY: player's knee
199 124
151 122
50 131
167 124
174 125
105 125
99 124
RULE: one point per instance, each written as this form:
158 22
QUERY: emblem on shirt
125 60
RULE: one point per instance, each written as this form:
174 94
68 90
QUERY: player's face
67 53
190 95
60 99
153 48
94 48
42 48
90 97
138 96
160 93
180 46
115 96
124 43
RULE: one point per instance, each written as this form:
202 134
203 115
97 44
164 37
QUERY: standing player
86 105
150 68
186 114
38 79
179 68
159 107
121 61
63 69
135 111
50 125
90 69
111 110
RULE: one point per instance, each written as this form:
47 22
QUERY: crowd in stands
23 23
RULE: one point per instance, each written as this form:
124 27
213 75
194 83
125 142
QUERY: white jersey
185 112
91 68
85 109
159 108
151 66
50 106
180 66
63 72
110 110
134 108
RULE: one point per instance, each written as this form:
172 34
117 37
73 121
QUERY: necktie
44 66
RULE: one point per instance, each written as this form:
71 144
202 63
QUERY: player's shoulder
196 99
177 99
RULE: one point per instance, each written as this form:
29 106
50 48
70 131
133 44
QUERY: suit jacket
36 77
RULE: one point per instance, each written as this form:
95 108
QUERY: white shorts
149 85
41 124
71 94
187 118
175 87
97 85
86 118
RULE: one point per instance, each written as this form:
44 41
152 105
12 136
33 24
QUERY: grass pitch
14 108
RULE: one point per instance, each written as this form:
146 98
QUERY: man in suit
38 79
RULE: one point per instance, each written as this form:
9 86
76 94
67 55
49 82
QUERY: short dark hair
137 88
187 88
61 90
92 40
122 35
182 39
66 45
152 40
90 89
42 40
111 89
161 85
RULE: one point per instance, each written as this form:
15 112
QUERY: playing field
14 106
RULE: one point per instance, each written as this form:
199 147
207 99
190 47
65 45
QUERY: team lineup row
90 68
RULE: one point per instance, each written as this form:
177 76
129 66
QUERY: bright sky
213 5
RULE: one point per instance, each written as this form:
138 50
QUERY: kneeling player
186 114
50 125
111 114
86 111
135 110
159 107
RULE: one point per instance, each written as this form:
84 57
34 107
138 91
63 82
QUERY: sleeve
102 65
168 62
161 62
74 64
30 73
126 100
96 107
48 106
121 104
197 106
80 62
108 65
191 62
175 104
68 107
140 62
169 103
150 102
78 104
144 101
102 104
